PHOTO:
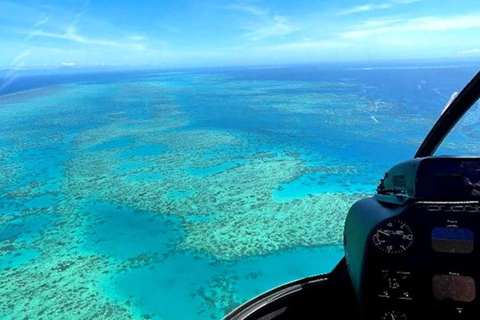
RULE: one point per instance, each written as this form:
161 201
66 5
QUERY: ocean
180 194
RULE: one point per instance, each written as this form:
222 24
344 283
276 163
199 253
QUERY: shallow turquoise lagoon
160 195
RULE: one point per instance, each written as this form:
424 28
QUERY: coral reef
316 221
246 220
115 194
56 282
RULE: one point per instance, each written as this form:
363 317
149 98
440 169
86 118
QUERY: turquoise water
112 144
206 171
15 259
27 229
144 151
181 195
122 233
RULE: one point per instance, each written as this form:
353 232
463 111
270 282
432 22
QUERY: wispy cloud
309 45
380 23
469 52
71 34
371 7
275 27
37 27
405 1
41 22
364 8
443 24
137 38
417 24
248 9
263 23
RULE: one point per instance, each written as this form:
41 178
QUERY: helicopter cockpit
411 251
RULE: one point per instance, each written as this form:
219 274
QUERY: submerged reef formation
229 212
272 228
220 294
105 194
43 276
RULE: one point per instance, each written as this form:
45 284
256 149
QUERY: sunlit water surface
180 195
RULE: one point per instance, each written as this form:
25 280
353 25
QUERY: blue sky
184 33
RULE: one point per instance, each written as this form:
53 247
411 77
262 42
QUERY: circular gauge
393 237
394 315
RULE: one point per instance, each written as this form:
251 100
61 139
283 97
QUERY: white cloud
70 32
364 8
405 1
309 45
371 7
72 35
418 24
257 11
264 24
380 23
137 38
442 24
470 52
277 26
41 22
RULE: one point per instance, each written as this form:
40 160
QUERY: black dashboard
412 251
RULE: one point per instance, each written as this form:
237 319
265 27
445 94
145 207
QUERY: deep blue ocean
180 194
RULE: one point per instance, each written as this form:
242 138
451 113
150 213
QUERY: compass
393 237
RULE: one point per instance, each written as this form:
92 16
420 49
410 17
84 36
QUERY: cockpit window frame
451 115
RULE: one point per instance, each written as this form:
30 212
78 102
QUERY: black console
412 251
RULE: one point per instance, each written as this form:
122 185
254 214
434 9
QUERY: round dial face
394 315
393 237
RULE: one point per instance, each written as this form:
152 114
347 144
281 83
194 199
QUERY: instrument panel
422 264
413 250
393 237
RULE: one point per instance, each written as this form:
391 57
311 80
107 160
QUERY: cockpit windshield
461 141
173 159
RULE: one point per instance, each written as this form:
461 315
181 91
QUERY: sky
194 33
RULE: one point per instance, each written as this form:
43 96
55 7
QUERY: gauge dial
393 237
394 315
